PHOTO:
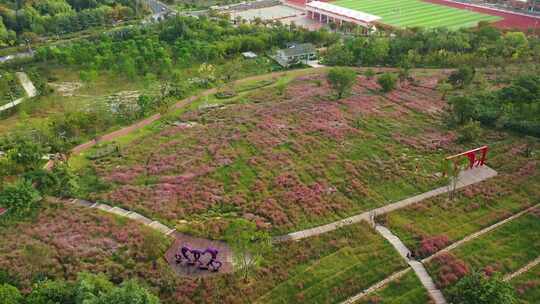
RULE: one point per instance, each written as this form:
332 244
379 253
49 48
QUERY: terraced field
416 13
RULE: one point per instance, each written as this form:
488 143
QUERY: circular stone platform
225 255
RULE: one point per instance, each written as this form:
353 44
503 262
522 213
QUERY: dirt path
468 177
180 104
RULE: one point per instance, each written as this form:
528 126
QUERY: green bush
387 81
20 198
10 295
341 80
469 132
476 288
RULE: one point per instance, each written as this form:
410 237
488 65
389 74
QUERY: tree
128 292
50 291
463 108
10 294
20 198
451 169
444 88
476 288
341 80
153 246
25 154
369 73
248 245
387 81
469 131
462 77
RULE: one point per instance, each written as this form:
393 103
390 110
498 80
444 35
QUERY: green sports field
413 13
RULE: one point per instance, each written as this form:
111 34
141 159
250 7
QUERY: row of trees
183 41
515 107
24 20
436 48
87 289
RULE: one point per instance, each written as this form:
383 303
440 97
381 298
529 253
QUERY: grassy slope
413 13
406 289
527 286
505 249
386 169
362 259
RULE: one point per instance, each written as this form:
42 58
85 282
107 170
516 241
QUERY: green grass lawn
413 13
527 286
360 259
503 250
406 289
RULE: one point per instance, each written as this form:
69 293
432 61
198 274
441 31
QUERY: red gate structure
477 157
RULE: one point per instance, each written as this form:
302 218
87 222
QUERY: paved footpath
473 236
467 178
522 270
418 267
28 87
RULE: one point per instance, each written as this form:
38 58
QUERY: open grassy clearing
503 250
416 13
527 286
71 94
406 289
476 207
286 161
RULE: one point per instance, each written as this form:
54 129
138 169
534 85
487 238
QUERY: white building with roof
327 12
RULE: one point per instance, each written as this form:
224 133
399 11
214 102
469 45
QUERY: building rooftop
297 49
342 11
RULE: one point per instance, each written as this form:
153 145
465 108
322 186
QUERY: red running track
509 20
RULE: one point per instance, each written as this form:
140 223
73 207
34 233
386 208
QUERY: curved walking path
466 178
522 270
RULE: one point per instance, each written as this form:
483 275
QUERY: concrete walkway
522 270
473 236
376 286
28 87
126 213
468 177
418 267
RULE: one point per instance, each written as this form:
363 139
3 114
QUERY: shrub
430 245
369 73
462 77
20 198
387 81
9 294
451 269
470 131
476 288
341 80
